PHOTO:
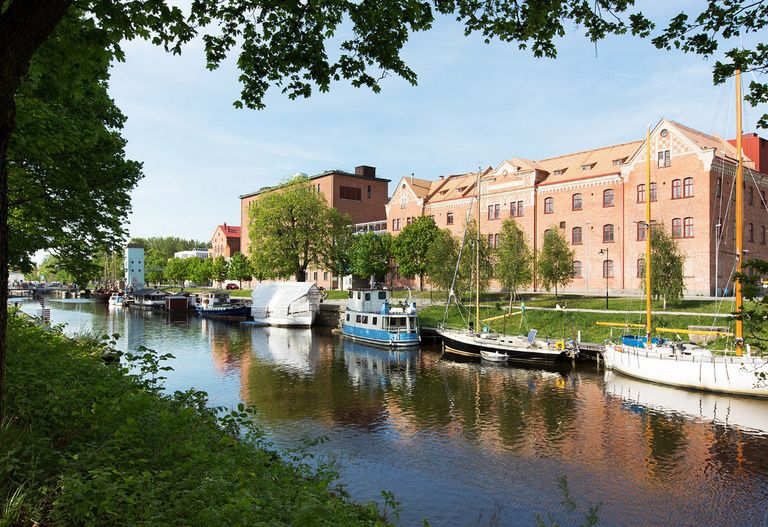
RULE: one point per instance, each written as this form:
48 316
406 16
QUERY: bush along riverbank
86 443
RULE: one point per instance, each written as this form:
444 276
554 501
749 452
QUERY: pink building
597 199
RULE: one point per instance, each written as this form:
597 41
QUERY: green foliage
411 247
154 267
91 444
288 230
468 264
667 260
200 270
220 269
555 261
69 179
370 254
755 316
705 32
177 270
441 259
240 268
514 261
336 250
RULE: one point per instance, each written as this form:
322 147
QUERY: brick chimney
755 148
365 171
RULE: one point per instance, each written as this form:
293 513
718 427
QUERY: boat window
382 295
359 295
367 296
347 317
365 319
374 321
351 294
357 318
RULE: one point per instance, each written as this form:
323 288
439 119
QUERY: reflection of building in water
135 329
291 348
372 366
229 344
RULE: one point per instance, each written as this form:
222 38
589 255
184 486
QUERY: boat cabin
216 298
370 316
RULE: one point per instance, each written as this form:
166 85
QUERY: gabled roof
707 142
230 231
523 164
589 163
453 187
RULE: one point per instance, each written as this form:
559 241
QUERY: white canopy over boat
285 303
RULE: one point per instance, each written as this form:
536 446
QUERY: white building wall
134 267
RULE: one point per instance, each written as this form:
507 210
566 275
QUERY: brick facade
361 195
594 199
225 241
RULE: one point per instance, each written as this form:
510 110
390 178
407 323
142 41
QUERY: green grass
558 324
89 444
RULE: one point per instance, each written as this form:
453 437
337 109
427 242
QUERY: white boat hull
299 320
734 375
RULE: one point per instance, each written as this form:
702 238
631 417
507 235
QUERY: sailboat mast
739 226
477 260
648 237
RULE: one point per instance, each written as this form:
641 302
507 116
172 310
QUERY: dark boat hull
234 314
460 348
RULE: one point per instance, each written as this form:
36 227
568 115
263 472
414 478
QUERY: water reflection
458 440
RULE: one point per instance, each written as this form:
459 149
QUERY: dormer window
619 161
588 166
460 189
559 172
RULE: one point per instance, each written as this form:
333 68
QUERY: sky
475 105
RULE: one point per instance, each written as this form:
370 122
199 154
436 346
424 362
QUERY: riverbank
87 443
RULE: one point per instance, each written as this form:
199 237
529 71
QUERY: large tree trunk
24 27
301 275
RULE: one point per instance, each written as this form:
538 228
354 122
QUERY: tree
466 282
755 314
220 269
441 259
177 270
240 268
154 267
199 270
514 261
721 20
288 228
411 246
667 260
556 261
338 244
166 246
370 254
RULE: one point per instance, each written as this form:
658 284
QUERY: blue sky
475 105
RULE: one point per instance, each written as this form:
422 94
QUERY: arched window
608 198
677 189
546 232
576 202
576 236
608 233
549 205
677 228
751 232
762 235
607 268
576 269
688 228
688 187
641 193
641 267
653 195
751 195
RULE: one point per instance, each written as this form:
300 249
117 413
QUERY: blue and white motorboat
218 305
116 300
371 317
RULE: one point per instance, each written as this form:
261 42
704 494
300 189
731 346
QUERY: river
464 443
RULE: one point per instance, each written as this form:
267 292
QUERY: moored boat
218 305
116 299
370 317
285 303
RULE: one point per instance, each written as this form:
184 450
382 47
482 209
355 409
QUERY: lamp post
605 272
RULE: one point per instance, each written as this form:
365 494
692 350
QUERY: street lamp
605 272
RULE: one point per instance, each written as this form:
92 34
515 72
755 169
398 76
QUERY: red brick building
225 241
361 195
597 197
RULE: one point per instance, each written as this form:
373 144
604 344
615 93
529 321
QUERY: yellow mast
739 226
477 260
648 237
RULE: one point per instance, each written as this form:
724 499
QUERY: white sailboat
683 364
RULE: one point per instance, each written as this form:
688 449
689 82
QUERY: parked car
233 286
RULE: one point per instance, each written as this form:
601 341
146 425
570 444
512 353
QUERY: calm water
470 444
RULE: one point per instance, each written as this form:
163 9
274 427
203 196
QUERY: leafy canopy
556 261
370 254
441 259
514 261
667 260
411 247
